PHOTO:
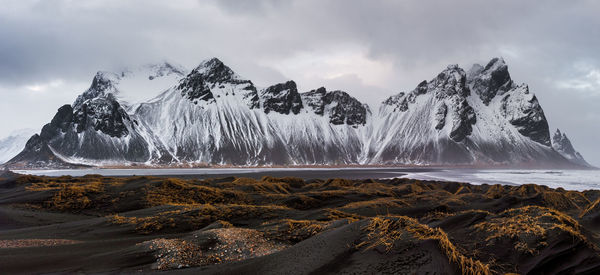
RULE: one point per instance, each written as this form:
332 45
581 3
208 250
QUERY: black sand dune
97 224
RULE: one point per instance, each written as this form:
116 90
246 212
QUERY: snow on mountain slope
459 118
211 115
562 144
96 129
142 83
14 143
215 116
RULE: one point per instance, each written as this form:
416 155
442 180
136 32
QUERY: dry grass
558 201
385 231
590 207
528 227
294 231
173 190
196 216
387 202
514 218
69 196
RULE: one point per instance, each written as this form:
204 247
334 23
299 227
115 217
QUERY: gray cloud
49 50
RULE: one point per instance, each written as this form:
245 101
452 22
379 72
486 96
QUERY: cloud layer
49 50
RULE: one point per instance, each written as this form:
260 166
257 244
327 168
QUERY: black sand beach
289 225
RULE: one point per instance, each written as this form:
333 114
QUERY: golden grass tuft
196 216
292 181
296 230
528 227
589 208
495 191
386 231
69 195
387 202
173 191
558 201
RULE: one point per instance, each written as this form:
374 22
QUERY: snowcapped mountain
477 117
14 143
211 115
562 145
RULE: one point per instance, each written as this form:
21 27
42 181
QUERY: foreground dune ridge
233 225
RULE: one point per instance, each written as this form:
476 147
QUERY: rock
562 144
490 80
341 107
282 98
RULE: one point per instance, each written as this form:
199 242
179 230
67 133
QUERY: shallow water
567 179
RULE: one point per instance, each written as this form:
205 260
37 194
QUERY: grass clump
385 231
528 227
177 191
188 217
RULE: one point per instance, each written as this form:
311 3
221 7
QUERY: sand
97 224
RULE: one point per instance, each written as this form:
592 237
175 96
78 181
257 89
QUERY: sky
51 49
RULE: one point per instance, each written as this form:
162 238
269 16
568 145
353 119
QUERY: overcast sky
50 49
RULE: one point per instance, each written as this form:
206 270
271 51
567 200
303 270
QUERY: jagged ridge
212 115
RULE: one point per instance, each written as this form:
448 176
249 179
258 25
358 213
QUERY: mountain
562 145
14 143
476 117
211 115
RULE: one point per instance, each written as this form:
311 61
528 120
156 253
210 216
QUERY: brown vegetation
481 229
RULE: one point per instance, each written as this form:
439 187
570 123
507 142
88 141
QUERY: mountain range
212 116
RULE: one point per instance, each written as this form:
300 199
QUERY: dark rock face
37 154
194 87
402 100
94 127
214 71
562 144
450 91
450 82
524 112
347 110
490 80
440 116
314 100
212 74
342 108
282 98
102 114
101 84
463 126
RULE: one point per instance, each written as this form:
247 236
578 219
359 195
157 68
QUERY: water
567 179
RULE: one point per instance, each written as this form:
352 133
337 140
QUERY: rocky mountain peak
212 79
561 142
523 110
282 98
102 84
215 71
451 81
201 116
562 145
490 80
338 105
